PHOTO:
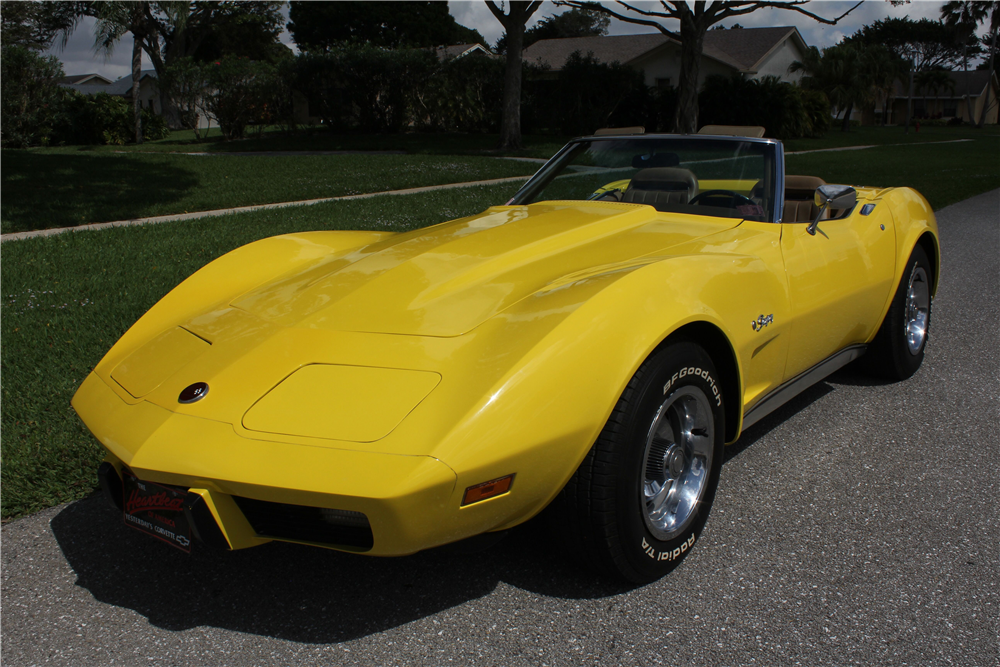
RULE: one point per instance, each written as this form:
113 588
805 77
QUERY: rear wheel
641 497
898 348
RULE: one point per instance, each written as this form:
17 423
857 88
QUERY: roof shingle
741 49
746 46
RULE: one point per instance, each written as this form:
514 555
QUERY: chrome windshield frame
539 179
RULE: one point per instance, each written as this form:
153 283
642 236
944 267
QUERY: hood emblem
193 393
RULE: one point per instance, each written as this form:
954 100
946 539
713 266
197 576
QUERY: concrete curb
861 148
19 236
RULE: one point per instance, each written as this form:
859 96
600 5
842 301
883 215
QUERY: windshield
701 176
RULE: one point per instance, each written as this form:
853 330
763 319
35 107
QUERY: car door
839 282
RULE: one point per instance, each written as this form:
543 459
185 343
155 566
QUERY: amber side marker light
486 490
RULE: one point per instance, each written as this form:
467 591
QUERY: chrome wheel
677 461
917 310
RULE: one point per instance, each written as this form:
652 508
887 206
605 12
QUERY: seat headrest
803 183
655 160
664 178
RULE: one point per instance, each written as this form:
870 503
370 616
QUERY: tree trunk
847 117
686 115
510 123
136 76
989 80
965 68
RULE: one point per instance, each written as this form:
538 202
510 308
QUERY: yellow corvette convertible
591 345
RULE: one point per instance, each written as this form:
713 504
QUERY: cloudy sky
78 57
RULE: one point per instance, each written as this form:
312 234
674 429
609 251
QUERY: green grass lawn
321 139
67 298
63 187
943 173
877 136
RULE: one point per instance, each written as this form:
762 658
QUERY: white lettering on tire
700 372
648 549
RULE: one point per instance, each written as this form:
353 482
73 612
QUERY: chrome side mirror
832 196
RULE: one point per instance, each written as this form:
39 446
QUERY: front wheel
898 348
641 497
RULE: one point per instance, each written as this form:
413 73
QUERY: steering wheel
734 199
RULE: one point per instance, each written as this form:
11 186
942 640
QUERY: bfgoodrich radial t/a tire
640 499
898 348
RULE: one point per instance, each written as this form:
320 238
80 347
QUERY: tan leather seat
658 186
800 203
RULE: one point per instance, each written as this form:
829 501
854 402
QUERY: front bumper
411 502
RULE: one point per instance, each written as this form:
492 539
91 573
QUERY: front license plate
158 511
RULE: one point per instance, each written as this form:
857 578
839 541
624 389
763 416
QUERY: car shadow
756 432
851 375
300 593
46 190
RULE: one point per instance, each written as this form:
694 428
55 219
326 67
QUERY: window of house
918 108
950 108
663 82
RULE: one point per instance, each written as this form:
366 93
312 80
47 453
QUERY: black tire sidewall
904 363
643 556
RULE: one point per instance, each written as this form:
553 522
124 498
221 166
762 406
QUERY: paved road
857 526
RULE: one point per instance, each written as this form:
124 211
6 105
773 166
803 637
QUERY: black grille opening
342 528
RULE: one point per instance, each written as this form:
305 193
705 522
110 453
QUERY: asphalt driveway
856 526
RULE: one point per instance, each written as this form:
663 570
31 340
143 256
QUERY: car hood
447 279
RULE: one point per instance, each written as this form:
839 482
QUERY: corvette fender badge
193 393
762 321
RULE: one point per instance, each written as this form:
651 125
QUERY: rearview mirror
832 196
836 196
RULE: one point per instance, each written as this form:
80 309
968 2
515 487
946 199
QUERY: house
459 51
979 86
91 84
84 80
149 93
753 52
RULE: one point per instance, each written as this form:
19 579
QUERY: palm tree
884 69
966 15
840 72
114 19
932 81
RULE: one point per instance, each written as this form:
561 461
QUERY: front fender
915 222
541 418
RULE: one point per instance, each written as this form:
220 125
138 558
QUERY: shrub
367 88
462 95
29 96
154 127
817 108
184 83
102 119
777 106
663 108
240 92
584 96
590 95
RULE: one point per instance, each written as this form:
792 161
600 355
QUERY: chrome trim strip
779 187
524 189
800 383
